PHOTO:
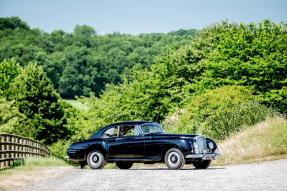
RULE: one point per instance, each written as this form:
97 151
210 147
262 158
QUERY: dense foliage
254 56
8 72
218 113
82 62
11 120
29 104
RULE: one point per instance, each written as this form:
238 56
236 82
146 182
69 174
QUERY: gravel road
258 176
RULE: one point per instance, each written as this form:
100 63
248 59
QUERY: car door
128 145
155 144
110 136
155 147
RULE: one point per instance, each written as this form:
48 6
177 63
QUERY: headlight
211 145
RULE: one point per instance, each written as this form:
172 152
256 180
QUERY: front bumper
207 156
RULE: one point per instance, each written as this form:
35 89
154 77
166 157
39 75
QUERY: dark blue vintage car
131 142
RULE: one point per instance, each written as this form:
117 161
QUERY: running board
134 160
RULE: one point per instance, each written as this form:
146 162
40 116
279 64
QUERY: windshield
151 128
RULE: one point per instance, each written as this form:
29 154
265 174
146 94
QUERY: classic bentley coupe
146 142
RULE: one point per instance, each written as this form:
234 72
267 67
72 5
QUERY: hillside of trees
249 62
214 82
82 62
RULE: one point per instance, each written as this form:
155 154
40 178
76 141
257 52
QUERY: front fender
99 145
181 144
210 140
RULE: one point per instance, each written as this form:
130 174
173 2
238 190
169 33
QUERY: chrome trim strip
203 156
194 156
138 126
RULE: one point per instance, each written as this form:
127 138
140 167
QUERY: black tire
124 165
174 159
188 162
83 164
202 164
96 160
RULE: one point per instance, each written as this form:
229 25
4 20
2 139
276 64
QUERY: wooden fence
14 148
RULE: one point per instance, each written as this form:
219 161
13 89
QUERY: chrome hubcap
173 158
95 158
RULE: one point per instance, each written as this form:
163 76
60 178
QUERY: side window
129 130
112 132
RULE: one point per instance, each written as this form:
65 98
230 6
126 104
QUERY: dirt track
258 176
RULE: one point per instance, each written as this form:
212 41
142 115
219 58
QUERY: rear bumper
207 156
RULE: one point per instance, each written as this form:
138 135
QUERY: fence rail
14 148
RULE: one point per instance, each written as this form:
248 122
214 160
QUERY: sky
140 16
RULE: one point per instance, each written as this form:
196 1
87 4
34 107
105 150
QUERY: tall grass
266 140
41 161
78 105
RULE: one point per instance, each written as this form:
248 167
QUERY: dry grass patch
265 141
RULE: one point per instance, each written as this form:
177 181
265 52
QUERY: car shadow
211 168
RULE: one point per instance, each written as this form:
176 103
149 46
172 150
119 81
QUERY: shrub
219 112
59 148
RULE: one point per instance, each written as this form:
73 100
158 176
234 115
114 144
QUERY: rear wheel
202 164
96 160
124 165
174 159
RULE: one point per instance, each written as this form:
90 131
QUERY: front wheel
124 165
96 160
202 164
174 159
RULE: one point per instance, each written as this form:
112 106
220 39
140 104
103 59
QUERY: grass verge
264 141
33 162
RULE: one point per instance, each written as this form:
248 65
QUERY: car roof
130 123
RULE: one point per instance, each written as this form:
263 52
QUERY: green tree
9 69
84 30
39 102
11 120
12 23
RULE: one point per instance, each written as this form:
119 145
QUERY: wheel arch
99 146
181 145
